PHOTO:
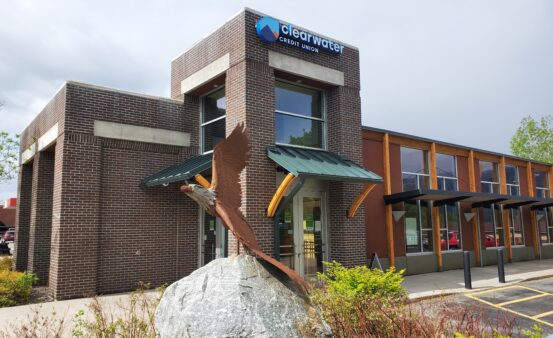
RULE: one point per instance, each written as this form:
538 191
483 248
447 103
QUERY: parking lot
529 302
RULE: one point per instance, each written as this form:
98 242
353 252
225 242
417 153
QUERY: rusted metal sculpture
223 197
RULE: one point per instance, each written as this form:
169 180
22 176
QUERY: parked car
491 241
454 242
9 236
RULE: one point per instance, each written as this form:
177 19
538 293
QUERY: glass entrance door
302 230
213 241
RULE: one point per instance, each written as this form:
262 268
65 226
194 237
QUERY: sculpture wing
229 159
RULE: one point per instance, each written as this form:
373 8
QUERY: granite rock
237 297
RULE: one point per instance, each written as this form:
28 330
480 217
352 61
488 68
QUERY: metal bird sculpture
224 197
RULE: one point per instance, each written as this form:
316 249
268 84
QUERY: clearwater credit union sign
270 30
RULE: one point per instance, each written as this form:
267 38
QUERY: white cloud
461 71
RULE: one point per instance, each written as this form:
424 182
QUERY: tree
534 139
9 152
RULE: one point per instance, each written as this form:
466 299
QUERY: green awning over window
319 164
179 172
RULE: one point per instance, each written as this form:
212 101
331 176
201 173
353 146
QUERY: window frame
418 175
496 210
548 215
510 186
494 185
546 191
204 124
323 119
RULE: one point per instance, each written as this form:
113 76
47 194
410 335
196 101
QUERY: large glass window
213 131
414 169
515 215
545 225
489 177
493 226
542 184
418 227
418 215
299 115
450 225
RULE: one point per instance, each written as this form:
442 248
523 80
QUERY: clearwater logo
271 30
268 29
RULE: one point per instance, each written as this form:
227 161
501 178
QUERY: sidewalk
452 281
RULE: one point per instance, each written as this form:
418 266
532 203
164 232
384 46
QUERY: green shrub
5 264
360 281
15 287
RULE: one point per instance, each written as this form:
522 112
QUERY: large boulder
237 297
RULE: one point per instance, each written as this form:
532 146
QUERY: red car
9 236
491 242
454 242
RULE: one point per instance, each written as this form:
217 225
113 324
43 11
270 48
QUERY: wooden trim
514 161
277 197
202 181
530 179
550 180
402 141
435 210
472 187
533 222
449 150
506 214
486 157
388 191
359 200
372 135
542 167
390 235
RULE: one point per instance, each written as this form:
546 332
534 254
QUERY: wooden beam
533 222
435 210
486 157
388 191
202 181
472 188
506 214
550 181
403 141
359 200
277 197
450 150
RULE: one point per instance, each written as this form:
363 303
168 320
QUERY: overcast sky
463 72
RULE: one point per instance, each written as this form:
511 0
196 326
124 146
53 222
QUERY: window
450 225
414 168
515 215
213 129
418 214
418 227
545 225
489 177
542 184
513 184
299 115
493 226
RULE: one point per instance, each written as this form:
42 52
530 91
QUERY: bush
15 287
5 264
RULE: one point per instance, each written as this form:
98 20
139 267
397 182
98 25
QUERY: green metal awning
179 172
320 164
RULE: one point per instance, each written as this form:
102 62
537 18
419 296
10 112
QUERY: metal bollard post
466 264
500 266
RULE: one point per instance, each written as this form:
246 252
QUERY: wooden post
533 223
435 210
475 233
388 191
506 214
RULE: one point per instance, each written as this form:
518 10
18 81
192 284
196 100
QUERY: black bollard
466 264
500 266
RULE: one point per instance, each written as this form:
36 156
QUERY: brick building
99 202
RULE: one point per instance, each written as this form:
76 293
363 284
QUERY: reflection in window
489 177
545 225
542 184
418 227
446 170
299 118
213 130
414 168
513 184
493 226
516 226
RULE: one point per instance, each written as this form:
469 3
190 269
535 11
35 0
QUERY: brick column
76 217
23 217
40 230
250 99
347 236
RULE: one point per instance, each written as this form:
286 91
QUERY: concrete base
547 251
